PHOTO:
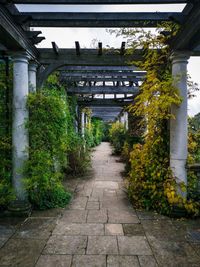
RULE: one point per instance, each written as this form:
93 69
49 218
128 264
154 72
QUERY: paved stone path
99 228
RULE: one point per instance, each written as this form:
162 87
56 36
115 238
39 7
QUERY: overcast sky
66 37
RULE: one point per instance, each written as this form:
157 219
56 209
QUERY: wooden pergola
88 72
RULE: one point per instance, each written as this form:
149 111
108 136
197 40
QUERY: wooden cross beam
122 50
98 2
88 19
100 51
55 48
78 49
103 90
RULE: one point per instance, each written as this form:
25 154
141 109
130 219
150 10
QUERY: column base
19 208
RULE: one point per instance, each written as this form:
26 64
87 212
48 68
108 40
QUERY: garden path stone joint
92 70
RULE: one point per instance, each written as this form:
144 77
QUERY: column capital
21 57
32 66
180 56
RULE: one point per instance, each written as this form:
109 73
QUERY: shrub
117 135
49 143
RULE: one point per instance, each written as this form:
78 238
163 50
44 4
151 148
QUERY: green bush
117 135
49 143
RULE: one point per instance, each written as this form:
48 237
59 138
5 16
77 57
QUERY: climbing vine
151 184
6 193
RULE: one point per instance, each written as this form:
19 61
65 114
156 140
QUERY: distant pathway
100 228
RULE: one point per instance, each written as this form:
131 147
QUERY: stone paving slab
54 261
36 228
21 252
97 216
89 261
74 216
98 245
93 205
133 245
171 253
113 229
68 245
133 229
122 261
122 216
147 261
79 203
99 228
79 229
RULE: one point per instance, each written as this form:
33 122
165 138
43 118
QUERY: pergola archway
32 65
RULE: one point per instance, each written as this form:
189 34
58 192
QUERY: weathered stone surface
122 216
66 245
170 253
163 230
106 184
47 213
150 215
92 205
133 229
79 229
113 229
3 240
89 261
74 216
79 203
97 216
122 261
21 252
36 228
133 245
102 245
147 261
54 261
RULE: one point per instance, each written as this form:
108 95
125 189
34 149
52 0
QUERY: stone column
178 126
32 70
19 131
83 123
126 120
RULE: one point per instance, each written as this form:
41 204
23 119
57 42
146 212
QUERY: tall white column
32 71
178 126
19 131
126 120
83 124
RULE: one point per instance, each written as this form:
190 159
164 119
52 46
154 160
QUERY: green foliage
6 193
48 124
151 184
117 134
97 130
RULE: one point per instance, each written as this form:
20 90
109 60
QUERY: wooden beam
104 103
104 76
122 50
107 19
78 49
55 48
103 90
12 36
187 37
89 57
98 2
100 50
104 68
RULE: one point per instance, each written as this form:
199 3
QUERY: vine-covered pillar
32 71
19 131
82 123
178 124
126 120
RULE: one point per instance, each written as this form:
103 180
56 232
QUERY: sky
66 37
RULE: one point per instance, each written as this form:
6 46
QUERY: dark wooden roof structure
88 72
